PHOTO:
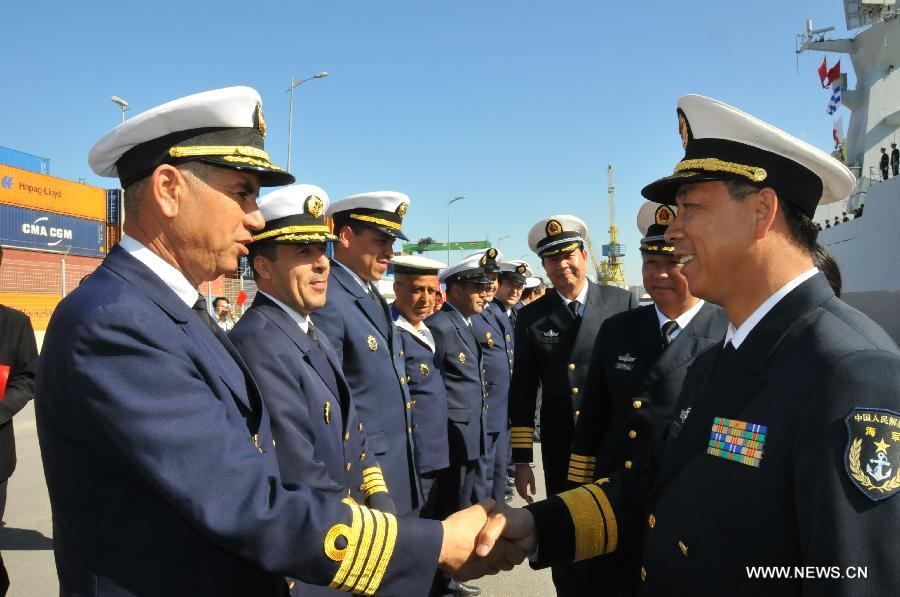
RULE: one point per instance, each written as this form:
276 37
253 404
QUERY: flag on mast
838 132
834 73
823 73
835 102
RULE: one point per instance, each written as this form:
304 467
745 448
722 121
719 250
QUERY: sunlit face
214 222
298 276
367 254
414 296
467 297
494 285
510 292
665 284
439 296
713 235
566 271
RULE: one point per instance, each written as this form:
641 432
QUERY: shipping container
112 236
46 193
113 203
46 231
24 161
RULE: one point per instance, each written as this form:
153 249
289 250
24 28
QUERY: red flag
835 73
823 73
241 298
4 375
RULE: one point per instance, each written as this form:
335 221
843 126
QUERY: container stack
53 233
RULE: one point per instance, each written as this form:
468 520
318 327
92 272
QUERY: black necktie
201 311
723 356
312 333
573 307
668 328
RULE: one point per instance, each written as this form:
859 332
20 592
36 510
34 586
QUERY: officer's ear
166 189
263 267
765 209
345 236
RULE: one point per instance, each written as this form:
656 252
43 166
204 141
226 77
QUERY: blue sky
519 105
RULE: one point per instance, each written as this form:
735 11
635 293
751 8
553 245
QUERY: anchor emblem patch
872 456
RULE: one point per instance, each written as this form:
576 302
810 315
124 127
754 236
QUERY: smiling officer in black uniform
637 371
790 454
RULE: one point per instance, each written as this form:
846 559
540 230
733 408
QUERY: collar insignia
627 358
372 342
551 334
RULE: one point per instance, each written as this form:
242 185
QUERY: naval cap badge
260 120
664 215
314 206
553 228
401 209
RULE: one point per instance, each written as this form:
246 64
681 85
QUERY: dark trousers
896 168
884 173
4 577
501 461
484 471
452 490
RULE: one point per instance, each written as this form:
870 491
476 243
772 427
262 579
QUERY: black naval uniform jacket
371 355
458 356
633 387
801 376
553 351
18 358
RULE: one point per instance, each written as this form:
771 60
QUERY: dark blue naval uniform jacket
458 356
157 454
371 354
494 331
429 399
314 423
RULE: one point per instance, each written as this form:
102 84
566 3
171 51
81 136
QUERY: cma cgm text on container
46 231
48 193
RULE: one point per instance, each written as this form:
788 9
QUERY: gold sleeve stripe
362 552
346 555
612 527
593 521
581 466
579 479
581 458
521 429
385 555
375 555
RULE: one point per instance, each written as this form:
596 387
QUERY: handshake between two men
485 539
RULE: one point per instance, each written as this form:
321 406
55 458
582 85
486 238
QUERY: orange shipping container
48 193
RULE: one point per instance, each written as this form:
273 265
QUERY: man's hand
513 524
458 558
525 481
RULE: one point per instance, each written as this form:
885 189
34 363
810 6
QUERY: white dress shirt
301 320
581 298
737 335
682 320
170 276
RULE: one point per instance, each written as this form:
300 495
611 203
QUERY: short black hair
342 219
263 249
217 299
801 228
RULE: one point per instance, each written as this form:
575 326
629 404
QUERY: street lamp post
124 106
449 203
294 85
